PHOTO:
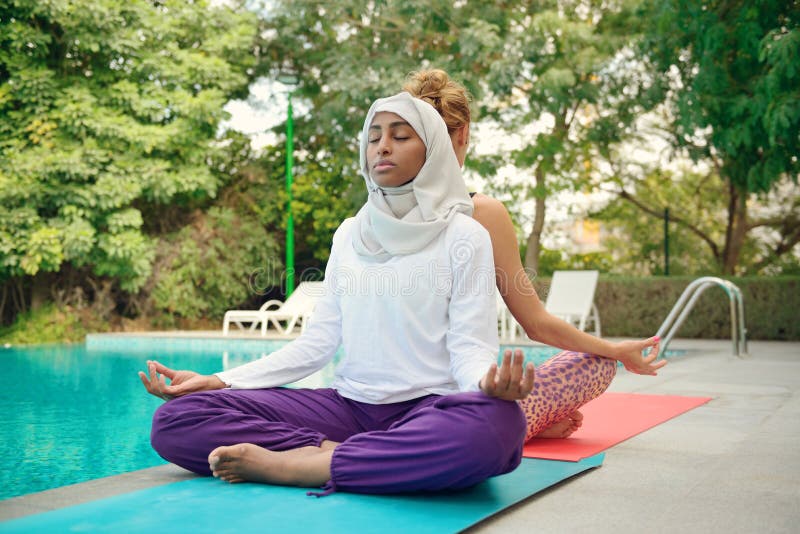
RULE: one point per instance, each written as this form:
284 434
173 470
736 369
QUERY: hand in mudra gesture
512 380
181 382
632 355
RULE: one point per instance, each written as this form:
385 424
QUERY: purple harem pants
425 444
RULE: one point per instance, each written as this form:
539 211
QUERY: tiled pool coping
189 340
207 340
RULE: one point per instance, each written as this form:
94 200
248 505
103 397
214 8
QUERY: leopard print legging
563 384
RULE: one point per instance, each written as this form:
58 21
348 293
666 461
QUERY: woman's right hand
631 354
181 382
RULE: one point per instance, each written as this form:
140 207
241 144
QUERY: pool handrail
687 301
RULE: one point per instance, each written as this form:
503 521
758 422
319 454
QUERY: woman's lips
383 166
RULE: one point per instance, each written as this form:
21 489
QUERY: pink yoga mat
610 419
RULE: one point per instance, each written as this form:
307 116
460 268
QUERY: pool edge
91 490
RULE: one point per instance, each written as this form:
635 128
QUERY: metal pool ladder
687 301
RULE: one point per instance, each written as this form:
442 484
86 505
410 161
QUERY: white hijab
403 220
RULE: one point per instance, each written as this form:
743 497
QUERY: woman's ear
462 135
460 141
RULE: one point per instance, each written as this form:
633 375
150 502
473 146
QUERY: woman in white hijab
417 403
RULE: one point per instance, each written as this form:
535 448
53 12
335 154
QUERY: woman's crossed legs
563 384
314 437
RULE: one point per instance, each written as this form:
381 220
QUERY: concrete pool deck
732 465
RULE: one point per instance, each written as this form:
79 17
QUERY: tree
570 67
699 224
636 230
348 53
109 113
734 68
564 68
540 61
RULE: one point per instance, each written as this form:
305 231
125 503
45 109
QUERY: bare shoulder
490 212
482 202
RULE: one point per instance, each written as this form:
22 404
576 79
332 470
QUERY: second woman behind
588 364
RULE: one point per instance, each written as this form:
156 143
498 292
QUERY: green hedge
636 307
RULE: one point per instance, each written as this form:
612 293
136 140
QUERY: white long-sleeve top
417 324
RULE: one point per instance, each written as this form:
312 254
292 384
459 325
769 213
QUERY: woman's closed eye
374 140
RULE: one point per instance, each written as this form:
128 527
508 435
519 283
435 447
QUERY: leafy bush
637 306
221 260
51 324
109 117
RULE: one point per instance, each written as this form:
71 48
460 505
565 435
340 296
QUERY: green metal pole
290 221
666 241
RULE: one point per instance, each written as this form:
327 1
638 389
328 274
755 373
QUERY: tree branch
567 124
781 222
788 244
782 248
679 220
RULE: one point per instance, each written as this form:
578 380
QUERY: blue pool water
72 413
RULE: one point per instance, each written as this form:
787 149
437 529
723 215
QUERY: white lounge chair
571 297
508 328
284 316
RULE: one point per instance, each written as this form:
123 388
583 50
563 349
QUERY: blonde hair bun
450 98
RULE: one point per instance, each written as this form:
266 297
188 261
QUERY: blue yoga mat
210 505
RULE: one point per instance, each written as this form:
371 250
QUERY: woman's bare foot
563 428
245 462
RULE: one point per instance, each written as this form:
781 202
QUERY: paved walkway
730 466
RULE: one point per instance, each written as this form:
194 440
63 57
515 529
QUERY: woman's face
395 153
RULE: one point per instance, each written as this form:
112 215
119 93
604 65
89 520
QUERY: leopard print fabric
563 384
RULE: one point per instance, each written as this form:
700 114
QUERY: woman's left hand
511 381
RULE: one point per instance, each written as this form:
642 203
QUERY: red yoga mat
610 419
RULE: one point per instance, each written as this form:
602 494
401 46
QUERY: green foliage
321 204
699 226
592 261
51 324
109 112
738 97
551 260
348 53
637 237
220 260
522 62
565 67
112 167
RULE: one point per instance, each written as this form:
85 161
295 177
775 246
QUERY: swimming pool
72 413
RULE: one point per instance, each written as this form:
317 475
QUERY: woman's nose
384 145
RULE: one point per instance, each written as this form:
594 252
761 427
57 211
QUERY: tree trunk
535 238
17 297
3 300
40 290
736 232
